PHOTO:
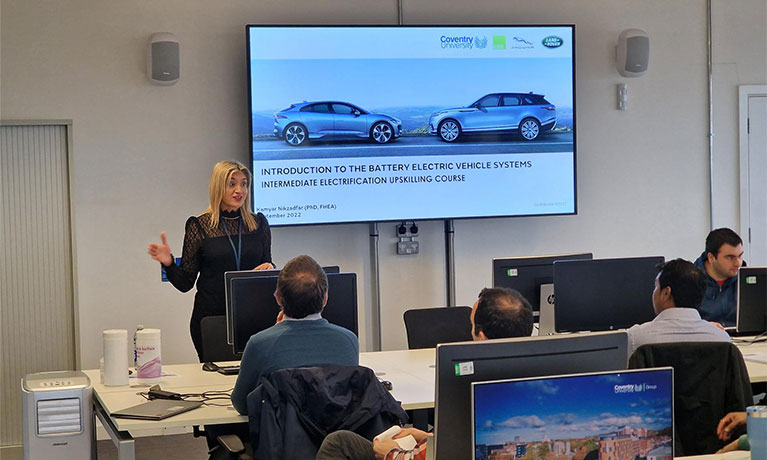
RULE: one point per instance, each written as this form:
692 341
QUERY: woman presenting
226 237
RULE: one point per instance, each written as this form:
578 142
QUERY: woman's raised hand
161 252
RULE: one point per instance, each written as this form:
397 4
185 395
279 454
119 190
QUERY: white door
754 161
37 318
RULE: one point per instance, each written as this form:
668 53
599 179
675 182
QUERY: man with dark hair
720 261
501 313
301 337
679 289
498 313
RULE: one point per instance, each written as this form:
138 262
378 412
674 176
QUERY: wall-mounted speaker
163 58
633 52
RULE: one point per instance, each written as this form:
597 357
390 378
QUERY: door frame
744 93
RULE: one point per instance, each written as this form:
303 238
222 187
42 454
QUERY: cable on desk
210 398
757 339
218 398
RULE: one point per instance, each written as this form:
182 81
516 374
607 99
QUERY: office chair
293 410
426 327
216 349
214 345
230 447
710 381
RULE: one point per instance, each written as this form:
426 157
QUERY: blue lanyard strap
238 250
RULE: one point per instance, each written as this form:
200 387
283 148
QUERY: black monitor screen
240 278
255 309
460 364
604 294
526 274
752 300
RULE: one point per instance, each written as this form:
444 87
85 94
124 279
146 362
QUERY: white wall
143 153
739 32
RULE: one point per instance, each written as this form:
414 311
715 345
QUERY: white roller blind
36 290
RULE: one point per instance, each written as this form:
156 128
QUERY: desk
757 371
187 378
411 374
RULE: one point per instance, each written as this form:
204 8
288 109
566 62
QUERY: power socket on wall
407 247
407 234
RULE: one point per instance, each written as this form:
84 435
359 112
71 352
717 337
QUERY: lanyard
238 251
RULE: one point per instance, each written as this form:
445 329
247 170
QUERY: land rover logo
552 42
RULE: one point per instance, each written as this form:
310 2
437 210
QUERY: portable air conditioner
57 416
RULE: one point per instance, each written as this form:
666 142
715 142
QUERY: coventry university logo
480 42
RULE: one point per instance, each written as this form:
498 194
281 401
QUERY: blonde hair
219 180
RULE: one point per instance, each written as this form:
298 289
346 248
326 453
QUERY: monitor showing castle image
619 415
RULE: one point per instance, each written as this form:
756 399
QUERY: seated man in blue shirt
301 337
679 289
720 261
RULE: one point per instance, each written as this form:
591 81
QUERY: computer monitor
254 307
628 413
752 300
241 277
604 294
526 274
460 364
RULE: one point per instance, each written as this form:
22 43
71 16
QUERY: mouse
210 367
386 384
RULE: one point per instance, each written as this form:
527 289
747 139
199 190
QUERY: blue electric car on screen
333 120
526 114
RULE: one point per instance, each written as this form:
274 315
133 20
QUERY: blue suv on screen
333 120
526 114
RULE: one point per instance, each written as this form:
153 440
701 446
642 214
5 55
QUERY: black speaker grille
165 61
637 54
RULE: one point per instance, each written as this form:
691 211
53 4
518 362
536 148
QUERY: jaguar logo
523 41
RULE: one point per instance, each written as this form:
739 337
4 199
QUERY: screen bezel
408 217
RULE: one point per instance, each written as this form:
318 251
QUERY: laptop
752 300
579 414
157 409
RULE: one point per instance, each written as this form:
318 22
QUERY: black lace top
208 253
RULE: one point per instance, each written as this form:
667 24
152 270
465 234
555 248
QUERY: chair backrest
426 327
293 410
214 345
710 380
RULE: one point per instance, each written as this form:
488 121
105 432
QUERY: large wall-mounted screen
359 124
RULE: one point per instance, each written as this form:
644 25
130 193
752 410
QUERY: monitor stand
430 448
546 307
